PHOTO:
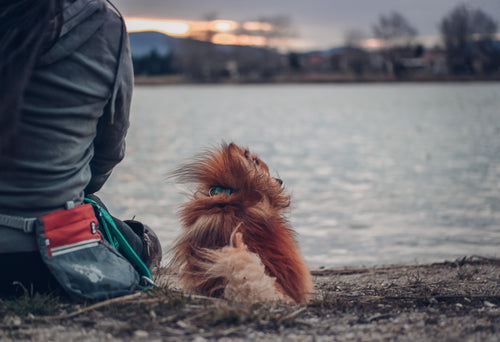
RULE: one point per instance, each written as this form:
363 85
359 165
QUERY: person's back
72 83
70 91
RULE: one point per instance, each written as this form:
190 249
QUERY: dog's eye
256 161
247 154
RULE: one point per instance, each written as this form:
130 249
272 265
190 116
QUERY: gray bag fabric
84 264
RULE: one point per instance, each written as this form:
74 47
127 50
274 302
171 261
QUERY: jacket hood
81 19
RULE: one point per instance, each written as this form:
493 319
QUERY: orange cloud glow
170 27
257 26
224 25
232 39
372 43
222 30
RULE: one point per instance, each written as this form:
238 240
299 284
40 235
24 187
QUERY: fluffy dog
235 241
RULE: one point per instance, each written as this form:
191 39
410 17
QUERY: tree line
469 47
468 36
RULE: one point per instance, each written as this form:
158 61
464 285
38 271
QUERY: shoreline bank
449 301
313 79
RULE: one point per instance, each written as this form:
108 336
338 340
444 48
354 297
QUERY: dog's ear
233 148
232 145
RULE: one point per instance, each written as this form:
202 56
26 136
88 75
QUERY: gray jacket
74 121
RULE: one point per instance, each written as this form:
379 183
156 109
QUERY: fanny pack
85 251
87 266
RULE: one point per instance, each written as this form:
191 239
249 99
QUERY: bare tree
280 29
354 38
394 29
398 35
468 36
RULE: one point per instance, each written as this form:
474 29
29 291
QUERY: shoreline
313 79
453 300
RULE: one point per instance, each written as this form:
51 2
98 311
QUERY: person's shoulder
114 19
82 7
112 9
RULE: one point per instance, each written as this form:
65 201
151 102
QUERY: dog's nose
279 181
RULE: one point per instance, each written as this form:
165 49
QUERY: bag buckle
29 225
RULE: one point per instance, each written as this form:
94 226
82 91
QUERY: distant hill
155 53
143 43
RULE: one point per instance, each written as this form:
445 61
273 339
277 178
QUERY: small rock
350 335
141 334
183 324
12 320
199 339
433 300
489 304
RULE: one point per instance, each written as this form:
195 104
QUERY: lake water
379 173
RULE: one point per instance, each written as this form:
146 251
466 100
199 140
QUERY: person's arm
109 144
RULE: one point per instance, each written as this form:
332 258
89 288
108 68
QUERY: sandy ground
451 301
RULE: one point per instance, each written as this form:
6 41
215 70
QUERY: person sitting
66 83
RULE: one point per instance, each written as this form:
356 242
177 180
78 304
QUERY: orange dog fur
237 199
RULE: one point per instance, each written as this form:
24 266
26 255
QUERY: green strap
116 239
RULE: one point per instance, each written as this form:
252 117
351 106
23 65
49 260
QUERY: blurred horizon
323 25
224 36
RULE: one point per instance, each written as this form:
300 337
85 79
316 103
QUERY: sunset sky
319 23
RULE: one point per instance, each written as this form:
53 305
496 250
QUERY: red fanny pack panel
69 230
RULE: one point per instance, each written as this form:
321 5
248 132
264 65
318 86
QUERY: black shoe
152 252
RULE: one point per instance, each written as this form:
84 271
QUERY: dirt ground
450 301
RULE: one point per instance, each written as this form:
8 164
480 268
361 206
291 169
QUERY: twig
293 314
123 299
219 333
200 297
